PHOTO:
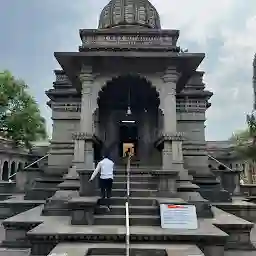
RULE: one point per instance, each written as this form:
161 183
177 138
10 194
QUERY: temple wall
190 116
66 120
191 120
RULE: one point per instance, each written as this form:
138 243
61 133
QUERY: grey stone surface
82 249
240 207
238 229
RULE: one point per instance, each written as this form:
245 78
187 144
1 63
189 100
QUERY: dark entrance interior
128 116
128 135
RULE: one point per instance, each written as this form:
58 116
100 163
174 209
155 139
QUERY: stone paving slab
11 252
222 217
81 249
34 215
64 227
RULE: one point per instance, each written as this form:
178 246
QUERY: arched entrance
128 117
5 171
13 170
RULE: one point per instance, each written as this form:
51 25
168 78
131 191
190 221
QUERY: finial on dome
129 12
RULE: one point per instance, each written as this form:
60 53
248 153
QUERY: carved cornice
86 76
178 136
171 75
86 137
66 107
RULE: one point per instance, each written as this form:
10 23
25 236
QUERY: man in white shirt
106 169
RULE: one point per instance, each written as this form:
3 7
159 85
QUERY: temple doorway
128 117
128 134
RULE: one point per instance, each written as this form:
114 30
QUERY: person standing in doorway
106 169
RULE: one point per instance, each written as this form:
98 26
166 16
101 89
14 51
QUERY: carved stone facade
87 95
129 12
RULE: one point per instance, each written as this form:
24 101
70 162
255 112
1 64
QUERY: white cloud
233 23
228 74
225 30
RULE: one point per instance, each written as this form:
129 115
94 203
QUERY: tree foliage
245 141
20 118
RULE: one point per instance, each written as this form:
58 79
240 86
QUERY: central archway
128 114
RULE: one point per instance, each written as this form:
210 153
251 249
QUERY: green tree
20 118
245 142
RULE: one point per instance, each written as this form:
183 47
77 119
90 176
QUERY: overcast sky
31 30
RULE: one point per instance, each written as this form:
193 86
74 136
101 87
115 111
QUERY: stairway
57 234
143 210
109 228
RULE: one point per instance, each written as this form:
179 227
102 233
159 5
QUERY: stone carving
178 136
61 78
127 40
67 107
82 136
191 105
171 75
86 76
129 12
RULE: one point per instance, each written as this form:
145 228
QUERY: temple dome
129 12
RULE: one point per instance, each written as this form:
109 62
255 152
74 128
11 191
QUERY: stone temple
129 86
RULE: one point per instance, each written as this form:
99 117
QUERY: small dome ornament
127 13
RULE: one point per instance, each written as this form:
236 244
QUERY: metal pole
127 217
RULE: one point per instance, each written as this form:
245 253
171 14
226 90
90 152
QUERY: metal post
127 217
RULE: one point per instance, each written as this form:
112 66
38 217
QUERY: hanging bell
129 112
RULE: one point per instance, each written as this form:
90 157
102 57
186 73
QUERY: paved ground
231 253
244 253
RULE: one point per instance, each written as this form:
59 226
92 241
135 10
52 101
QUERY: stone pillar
84 152
172 150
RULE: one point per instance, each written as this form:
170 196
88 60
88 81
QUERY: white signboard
178 216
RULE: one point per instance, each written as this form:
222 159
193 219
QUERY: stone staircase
72 223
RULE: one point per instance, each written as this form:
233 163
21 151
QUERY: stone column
84 152
172 150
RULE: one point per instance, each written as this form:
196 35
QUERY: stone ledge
82 210
206 233
81 249
238 229
240 208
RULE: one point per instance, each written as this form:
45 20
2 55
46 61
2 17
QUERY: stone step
81 249
134 192
135 185
40 193
75 185
4 196
143 249
134 177
135 220
134 210
11 207
47 182
209 236
14 252
134 201
7 187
